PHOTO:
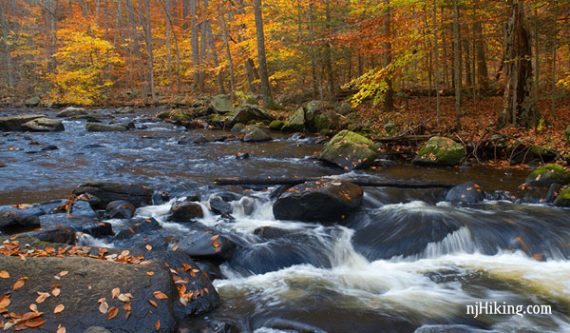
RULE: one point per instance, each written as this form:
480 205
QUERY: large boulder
185 211
276 125
547 175
320 116
13 221
221 104
120 209
248 113
440 151
43 125
14 123
72 111
296 121
97 127
256 134
325 201
106 192
349 150
203 243
32 101
563 198
467 193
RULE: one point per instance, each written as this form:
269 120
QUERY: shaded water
407 261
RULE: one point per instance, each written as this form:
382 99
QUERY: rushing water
408 261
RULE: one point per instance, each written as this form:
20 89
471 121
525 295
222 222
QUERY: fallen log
237 181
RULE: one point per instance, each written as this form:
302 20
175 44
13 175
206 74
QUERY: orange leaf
59 308
150 273
4 301
19 283
33 307
160 295
62 273
36 322
55 292
113 312
42 297
4 275
61 329
157 325
153 303
115 292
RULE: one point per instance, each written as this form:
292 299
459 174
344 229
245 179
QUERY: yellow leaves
4 275
58 308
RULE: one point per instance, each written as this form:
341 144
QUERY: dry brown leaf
56 292
124 298
33 307
115 292
103 307
41 297
4 275
160 295
150 273
62 273
113 312
61 329
5 301
157 325
153 303
59 308
127 307
19 283
148 247
35 322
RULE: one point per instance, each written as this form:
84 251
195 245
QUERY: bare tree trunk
6 48
436 55
50 6
389 97
227 47
168 33
457 64
313 51
135 51
146 19
328 53
519 104
482 71
261 54
195 46
445 52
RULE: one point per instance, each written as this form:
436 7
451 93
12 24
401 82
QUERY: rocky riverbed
119 219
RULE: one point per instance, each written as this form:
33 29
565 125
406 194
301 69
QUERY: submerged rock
106 192
549 174
468 193
325 201
349 150
43 125
14 123
97 127
72 111
440 151
13 221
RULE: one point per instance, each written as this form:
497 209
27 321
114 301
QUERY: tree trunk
389 97
195 46
482 71
6 48
457 64
436 56
328 53
313 51
225 38
519 107
261 55
146 19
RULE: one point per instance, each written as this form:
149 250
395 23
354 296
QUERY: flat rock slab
88 281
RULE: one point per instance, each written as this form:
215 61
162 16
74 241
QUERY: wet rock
548 174
106 192
81 224
325 201
82 208
32 101
563 198
248 113
89 280
200 140
256 134
276 125
349 150
219 206
13 221
58 234
552 193
185 211
296 121
139 226
440 151
43 125
160 197
14 123
203 243
125 110
238 128
468 193
72 111
2 164
271 232
97 127
49 148
221 104
242 156
211 269
120 209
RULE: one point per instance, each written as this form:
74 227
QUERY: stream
407 261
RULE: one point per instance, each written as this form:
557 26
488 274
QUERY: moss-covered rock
14 123
440 151
549 174
32 101
256 134
563 199
247 113
349 150
276 125
221 104
296 122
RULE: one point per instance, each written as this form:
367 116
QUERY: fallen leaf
153 303
19 283
157 325
35 322
34 307
103 307
113 312
127 307
4 275
124 298
148 247
115 292
150 273
62 273
160 295
42 297
5 301
61 329
55 292
59 308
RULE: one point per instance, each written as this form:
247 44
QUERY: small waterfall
460 241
